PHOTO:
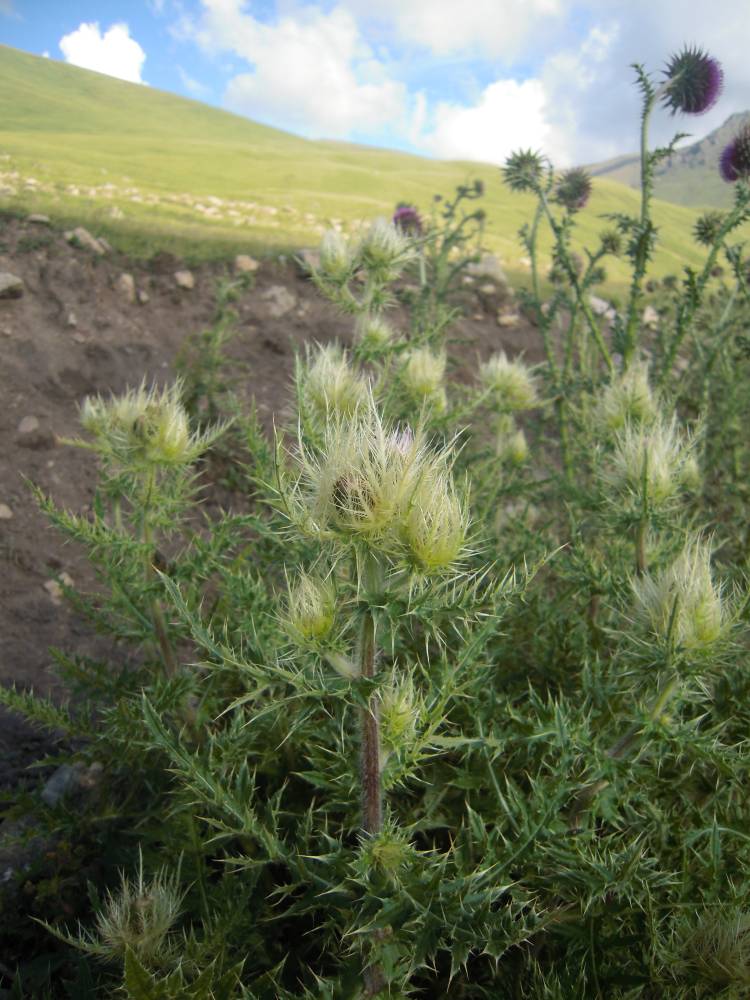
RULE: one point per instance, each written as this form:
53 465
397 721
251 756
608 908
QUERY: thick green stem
640 546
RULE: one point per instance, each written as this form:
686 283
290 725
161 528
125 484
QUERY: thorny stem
372 793
643 247
157 613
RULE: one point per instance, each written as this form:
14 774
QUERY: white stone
184 279
650 317
40 220
82 237
125 286
280 301
244 264
28 425
143 297
11 286
5 512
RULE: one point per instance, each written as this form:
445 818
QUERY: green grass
66 127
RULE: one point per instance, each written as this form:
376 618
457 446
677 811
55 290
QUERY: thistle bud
311 609
374 332
650 458
399 712
682 603
627 399
513 447
145 426
138 917
423 375
336 258
523 170
330 385
435 525
708 227
384 250
573 189
510 381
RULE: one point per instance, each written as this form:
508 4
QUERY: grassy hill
149 169
690 177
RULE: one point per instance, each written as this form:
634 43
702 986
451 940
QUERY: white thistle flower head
655 459
423 374
384 250
145 426
311 609
336 257
330 384
361 479
139 916
682 602
436 524
628 399
510 381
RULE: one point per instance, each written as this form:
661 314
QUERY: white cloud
114 52
310 71
495 28
507 116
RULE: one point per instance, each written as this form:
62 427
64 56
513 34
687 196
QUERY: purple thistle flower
735 160
573 189
407 219
693 82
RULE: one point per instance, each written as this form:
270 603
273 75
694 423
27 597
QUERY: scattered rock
116 212
508 319
69 779
184 279
5 512
125 285
72 320
79 338
467 280
55 590
488 266
488 289
81 237
244 264
280 301
39 220
28 425
650 317
11 286
105 244
601 307
143 297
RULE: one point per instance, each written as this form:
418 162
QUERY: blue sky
469 79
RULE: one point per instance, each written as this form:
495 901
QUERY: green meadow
133 163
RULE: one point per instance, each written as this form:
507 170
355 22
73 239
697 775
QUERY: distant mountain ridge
691 176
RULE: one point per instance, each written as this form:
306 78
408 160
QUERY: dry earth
76 330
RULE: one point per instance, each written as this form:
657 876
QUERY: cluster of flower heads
384 250
145 427
682 605
384 487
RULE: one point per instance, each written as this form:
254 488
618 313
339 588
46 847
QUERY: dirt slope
75 331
